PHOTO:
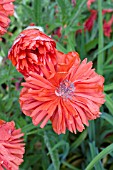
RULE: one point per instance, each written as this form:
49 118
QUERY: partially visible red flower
6 10
73 2
58 32
11 146
88 25
89 2
71 97
108 27
104 11
31 50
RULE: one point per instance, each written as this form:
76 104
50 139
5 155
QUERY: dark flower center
65 89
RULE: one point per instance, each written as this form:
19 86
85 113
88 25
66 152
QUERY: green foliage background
93 148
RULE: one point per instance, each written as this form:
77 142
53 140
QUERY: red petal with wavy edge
71 97
33 51
11 146
6 10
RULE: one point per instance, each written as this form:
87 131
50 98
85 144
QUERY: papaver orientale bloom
11 146
6 10
32 49
69 98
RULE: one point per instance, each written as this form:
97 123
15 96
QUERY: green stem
100 59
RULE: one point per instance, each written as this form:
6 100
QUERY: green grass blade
78 11
109 103
62 5
80 139
109 59
108 87
91 44
53 154
37 11
101 155
61 48
71 167
100 58
57 145
91 130
94 152
108 118
103 49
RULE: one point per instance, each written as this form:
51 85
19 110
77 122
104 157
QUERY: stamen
65 89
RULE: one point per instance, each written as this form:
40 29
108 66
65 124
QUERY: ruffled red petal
33 50
11 146
71 97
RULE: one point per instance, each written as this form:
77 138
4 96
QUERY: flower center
65 89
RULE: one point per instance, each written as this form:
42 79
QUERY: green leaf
62 6
3 79
109 103
71 167
79 140
77 12
90 45
71 42
57 145
107 117
37 11
100 59
53 154
28 127
109 59
61 48
91 130
105 48
101 155
94 152
108 87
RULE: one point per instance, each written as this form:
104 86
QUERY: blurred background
85 26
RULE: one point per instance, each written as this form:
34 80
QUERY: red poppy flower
11 146
71 97
6 9
88 25
108 27
31 50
